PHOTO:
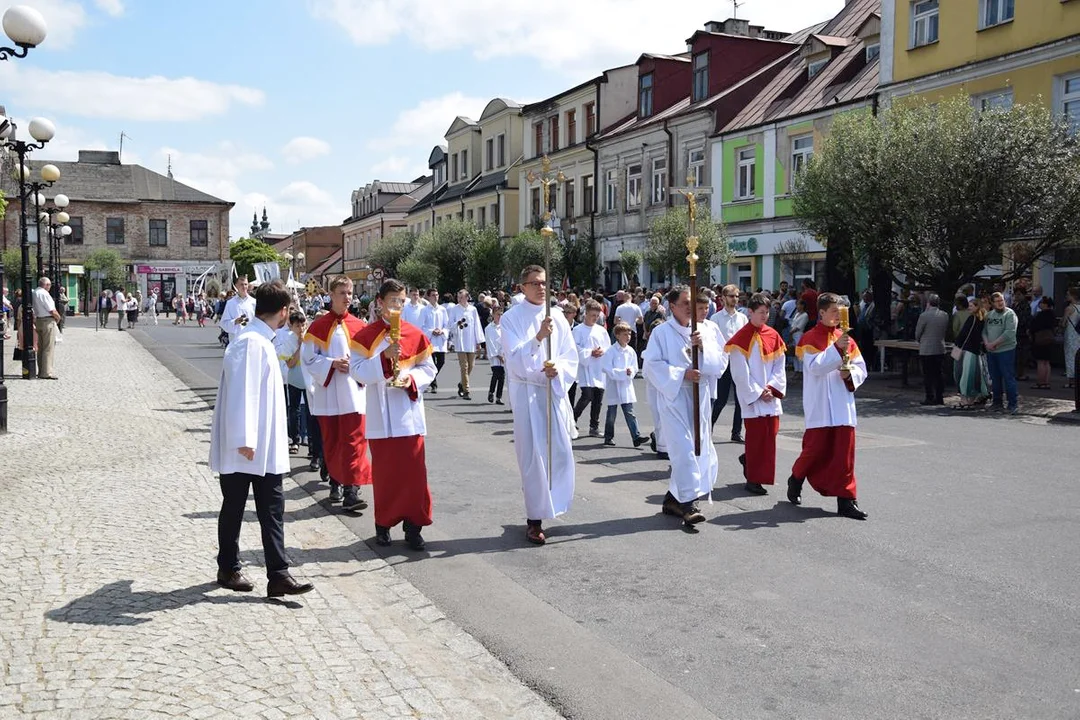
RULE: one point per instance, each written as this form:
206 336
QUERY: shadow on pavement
780 514
116 604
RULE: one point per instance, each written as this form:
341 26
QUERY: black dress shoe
652 441
609 442
794 490
286 585
466 396
499 401
742 461
415 541
737 438
460 390
235 580
755 489
662 455
849 508
639 441
382 535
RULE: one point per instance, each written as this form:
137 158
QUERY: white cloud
104 95
301 149
300 203
225 161
604 33
63 19
398 168
112 7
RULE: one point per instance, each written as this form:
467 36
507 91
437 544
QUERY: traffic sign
378 273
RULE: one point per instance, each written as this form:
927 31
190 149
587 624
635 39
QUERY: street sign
378 273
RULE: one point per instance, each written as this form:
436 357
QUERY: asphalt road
957 599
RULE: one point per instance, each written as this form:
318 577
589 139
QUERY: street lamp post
42 131
25 27
49 175
52 214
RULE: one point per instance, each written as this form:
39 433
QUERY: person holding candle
393 360
833 368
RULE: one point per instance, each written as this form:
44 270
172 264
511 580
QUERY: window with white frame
1070 101
998 100
816 67
802 149
464 164
489 151
745 182
633 185
611 190
995 12
924 22
873 52
659 180
695 167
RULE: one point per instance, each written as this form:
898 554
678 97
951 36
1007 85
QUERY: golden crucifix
547 179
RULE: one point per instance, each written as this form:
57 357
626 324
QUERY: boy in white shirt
592 341
620 366
495 355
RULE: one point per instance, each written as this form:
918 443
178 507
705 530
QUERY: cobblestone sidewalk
109 609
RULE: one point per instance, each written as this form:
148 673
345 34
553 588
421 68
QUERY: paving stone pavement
109 609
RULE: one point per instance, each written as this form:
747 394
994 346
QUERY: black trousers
292 397
498 377
440 359
573 395
592 395
933 378
725 387
314 434
269 506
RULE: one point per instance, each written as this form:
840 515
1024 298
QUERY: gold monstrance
395 339
546 180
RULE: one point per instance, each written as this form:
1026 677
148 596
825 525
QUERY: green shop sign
749 246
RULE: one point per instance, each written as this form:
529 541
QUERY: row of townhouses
739 113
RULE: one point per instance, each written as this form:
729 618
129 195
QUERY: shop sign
159 269
748 246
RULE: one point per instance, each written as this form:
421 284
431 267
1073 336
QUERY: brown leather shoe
235 580
672 506
691 514
286 585
535 533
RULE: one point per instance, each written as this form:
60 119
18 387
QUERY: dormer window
873 52
701 76
815 67
645 96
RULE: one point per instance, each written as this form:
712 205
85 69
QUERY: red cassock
399 466
827 460
761 431
345 448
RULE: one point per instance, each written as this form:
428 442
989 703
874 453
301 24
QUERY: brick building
167 233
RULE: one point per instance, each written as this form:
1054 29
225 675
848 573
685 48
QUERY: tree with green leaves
487 261
579 259
246 252
416 273
792 253
109 262
447 247
527 248
665 249
630 262
390 251
935 192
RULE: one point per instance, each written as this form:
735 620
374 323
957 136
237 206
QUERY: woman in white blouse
798 327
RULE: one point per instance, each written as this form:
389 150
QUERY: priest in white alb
757 358
249 446
669 369
435 322
548 491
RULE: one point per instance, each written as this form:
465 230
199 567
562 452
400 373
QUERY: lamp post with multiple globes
26 28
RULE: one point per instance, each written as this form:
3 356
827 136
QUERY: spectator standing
45 319
1043 341
809 297
120 305
799 321
930 330
1071 320
999 336
972 379
62 309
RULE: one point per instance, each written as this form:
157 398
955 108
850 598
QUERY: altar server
620 364
396 425
828 448
669 369
239 310
757 358
524 334
468 337
493 341
592 342
338 401
435 322
249 446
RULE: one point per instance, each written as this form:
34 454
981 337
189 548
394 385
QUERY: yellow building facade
1000 52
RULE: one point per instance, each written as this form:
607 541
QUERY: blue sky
294 104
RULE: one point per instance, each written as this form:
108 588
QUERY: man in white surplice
668 368
524 333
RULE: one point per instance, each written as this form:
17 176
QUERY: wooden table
913 345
